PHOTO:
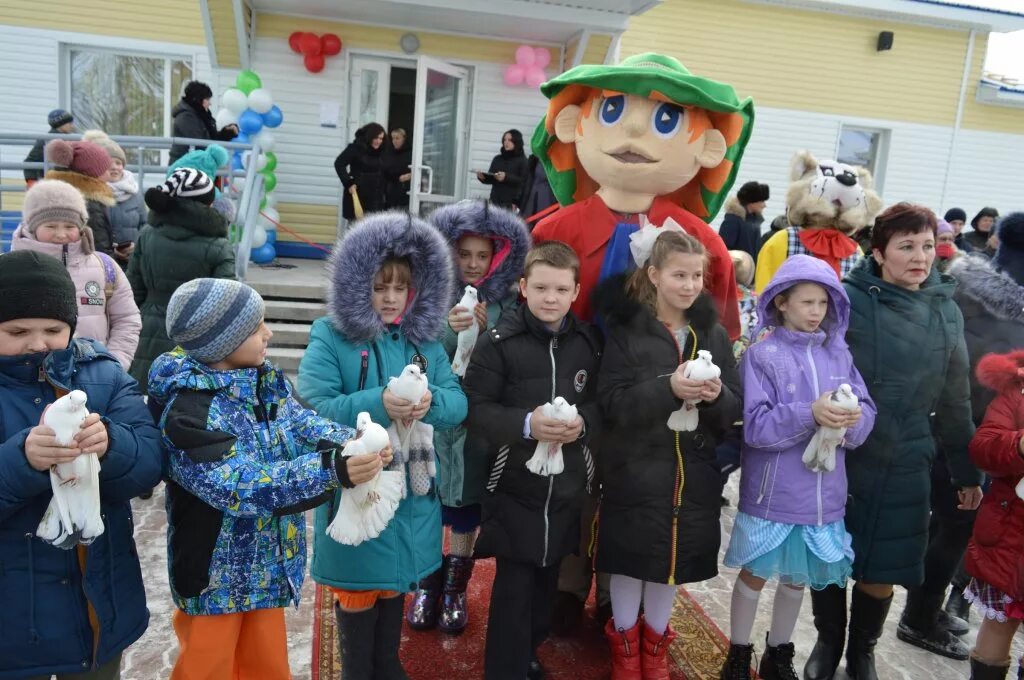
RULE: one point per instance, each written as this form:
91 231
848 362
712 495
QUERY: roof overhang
535 21
921 12
992 91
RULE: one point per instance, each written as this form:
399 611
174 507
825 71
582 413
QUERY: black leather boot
829 607
920 626
777 662
867 618
387 638
982 671
356 632
737 664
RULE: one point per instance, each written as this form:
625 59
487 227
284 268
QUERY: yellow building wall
169 21
818 61
225 38
597 49
367 37
318 223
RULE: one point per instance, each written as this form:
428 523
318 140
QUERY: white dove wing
467 338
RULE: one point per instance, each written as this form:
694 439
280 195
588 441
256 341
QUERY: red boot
625 646
655 653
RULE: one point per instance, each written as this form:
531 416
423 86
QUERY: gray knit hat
51 200
211 318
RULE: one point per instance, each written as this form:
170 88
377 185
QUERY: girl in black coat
508 172
360 168
397 170
660 503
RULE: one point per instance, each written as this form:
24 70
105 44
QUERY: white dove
410 385
467 338
820 454
73 515
547 458
366 509
702 368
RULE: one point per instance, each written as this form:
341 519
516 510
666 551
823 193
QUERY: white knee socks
785 611
626 593
742 611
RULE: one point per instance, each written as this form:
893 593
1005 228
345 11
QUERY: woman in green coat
907 340
184 239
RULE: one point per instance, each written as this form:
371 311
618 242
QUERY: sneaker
940 641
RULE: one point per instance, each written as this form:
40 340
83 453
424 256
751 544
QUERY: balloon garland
251 107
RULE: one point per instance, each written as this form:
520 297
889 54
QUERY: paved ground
153 656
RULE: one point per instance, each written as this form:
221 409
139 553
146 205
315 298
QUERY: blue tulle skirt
794 554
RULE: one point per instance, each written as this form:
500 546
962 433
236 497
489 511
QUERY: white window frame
881 152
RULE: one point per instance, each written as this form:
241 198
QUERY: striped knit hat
189 183
211 318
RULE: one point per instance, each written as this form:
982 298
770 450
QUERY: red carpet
696 655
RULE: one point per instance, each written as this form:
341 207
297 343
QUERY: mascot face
831 194
638 145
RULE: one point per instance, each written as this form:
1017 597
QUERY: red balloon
310 44
314 62
295 42
330 44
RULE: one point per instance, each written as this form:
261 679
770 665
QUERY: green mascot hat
654 76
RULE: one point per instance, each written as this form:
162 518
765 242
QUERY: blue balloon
241 139
271 235
236 162
264 254
273 117
250 122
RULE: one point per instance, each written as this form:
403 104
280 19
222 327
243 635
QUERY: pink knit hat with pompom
85 158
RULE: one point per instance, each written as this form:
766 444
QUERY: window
866 147
125 94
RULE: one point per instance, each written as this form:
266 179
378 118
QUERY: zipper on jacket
680 483
551 480
764 483
817 391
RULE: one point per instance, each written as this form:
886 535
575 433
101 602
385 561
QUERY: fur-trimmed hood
191 216
92 189
978 280
357 258
1002 371
734 207
509 234
616 308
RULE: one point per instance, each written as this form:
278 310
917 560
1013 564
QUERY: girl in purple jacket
790 520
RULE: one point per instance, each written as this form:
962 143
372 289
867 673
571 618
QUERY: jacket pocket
990 524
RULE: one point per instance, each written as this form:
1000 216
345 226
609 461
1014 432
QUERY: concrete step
284 288
291 310
286 358
289 334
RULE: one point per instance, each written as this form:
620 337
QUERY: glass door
369 93
438 142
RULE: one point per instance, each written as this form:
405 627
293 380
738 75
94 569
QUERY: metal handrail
247 214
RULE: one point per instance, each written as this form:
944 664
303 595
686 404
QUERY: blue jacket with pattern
245 461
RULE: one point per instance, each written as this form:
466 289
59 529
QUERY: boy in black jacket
530 522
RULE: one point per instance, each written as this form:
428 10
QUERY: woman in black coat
360 168
193 120
397 171
508 172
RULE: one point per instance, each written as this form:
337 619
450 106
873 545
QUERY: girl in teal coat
391 285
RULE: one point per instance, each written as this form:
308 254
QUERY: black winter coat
509 193
363 166
192 123
741 230
396 164
517 366
661 490
35 155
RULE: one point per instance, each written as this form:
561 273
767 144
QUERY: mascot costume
827 203
644 141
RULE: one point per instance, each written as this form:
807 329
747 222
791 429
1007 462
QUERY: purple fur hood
509 234
358 256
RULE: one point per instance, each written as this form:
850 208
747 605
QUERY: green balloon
248 81
271 162
263 203
269 181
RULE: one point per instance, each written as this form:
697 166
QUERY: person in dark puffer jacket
508 172
193 120
84 166
66 612
536 353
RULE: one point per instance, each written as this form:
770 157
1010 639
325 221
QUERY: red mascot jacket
995 554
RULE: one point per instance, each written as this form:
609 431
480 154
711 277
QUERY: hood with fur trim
1002 371
734 207
978 280
616 308
92 189
357 258
504 229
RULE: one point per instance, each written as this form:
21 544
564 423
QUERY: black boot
919 626
829 607
424 605
982 671
737 664
566 614
777 662
387 637
957 606
867 618
355 643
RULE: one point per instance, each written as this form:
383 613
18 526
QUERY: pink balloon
525 55
514 75
535 77
542 57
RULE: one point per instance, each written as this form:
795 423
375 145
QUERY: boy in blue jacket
245 461
66 612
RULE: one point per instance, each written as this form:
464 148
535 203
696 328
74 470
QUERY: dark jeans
521 602
108 671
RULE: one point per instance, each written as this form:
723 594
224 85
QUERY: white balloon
225 117
269 214
261 160
234 100
259 236
266 140
260 100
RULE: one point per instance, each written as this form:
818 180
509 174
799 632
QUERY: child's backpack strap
109 274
